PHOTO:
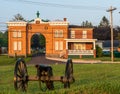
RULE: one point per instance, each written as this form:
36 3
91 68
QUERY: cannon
44 75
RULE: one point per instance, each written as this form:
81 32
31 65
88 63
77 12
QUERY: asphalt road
40 59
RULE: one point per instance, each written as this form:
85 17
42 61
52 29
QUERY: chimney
65 19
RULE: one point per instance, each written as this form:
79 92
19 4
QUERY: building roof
107 43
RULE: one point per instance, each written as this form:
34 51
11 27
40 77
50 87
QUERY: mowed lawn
89 79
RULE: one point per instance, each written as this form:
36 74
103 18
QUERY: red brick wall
45 29
79 32
89 46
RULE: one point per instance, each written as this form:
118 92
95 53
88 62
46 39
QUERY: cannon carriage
44 75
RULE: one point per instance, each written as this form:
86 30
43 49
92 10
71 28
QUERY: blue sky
91 10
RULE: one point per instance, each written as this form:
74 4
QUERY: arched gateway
61 40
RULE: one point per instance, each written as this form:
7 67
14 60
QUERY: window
79 46
72 34
14 34
58 33
15 45
19 33
58 45
61 45
19 46
84 35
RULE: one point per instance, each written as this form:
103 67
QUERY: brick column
94 53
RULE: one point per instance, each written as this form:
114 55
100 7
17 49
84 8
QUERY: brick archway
35 42
20 34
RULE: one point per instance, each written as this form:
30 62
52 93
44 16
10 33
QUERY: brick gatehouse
61 40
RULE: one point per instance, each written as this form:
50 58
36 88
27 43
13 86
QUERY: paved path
42 60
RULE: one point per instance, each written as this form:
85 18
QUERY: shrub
98 51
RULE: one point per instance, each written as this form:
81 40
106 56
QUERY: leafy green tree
1 42
104 22
102 33
38 41
42 41
4 39
98 51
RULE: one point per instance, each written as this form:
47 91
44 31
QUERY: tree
102 33
4 39
42 41
35 41
98 51
86 24
18 17
38 41
104 22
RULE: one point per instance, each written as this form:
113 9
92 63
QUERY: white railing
80 52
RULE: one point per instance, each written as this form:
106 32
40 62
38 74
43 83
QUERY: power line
61 5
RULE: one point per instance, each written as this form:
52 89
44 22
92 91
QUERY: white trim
17 23
80 52
80 40
59 23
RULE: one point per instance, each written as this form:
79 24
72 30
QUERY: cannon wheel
20 75
49 84
68 72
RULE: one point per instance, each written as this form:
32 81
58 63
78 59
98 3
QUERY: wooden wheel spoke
21 65
21 74
19 85
19 81
19 69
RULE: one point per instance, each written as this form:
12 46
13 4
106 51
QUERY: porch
81 47
80 52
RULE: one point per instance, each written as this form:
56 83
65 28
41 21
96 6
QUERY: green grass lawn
5 60
89 79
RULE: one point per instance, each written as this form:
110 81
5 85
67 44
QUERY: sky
76 11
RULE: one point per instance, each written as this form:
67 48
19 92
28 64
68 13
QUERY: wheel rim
20 75
68 72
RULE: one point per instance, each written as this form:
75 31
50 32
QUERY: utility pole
111 27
